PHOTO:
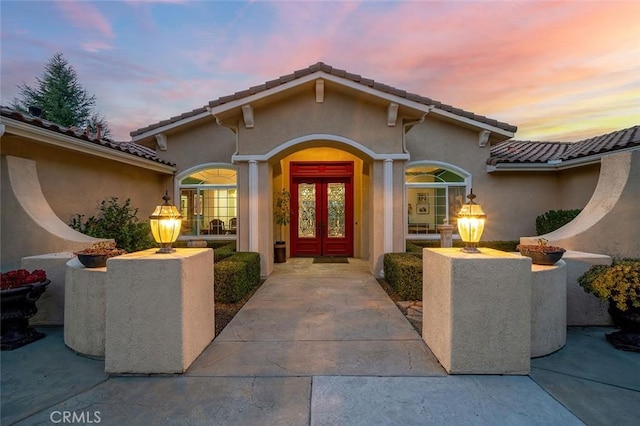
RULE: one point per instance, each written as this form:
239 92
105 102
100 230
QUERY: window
208 202
435 193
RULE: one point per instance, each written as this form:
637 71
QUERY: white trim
313 137
468 184
50 137
392 114
388 205
204 166
170 126
247 116
319 91
238 103
468 177
254 206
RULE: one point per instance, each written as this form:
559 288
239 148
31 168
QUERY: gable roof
336 74
79 138
553 153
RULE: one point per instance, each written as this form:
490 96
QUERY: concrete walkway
323 345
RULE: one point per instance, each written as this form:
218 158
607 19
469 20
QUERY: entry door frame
322 173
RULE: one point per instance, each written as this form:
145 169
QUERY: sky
558 70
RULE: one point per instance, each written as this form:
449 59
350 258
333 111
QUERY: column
253 206
388 205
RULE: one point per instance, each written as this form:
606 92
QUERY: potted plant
282 216
96 256
619 284
19 291
541 253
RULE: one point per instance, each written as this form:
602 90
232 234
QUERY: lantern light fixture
471 220
165 224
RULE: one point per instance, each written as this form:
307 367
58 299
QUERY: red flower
20 277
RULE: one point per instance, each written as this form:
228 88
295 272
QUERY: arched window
435 193
208 202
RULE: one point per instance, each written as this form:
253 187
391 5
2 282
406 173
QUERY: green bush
117 222
415 247
403 272
235 276
554 219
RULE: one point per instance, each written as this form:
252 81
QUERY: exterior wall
75 183
72 183
206 143
339 114
511 200
576 186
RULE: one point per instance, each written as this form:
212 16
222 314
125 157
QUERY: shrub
554 219
415 247
119 223
618 283
403 272
235 276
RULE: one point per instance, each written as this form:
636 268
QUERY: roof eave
238 103
556 165
169 126
48 137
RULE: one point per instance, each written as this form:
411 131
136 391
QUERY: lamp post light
165 224
471 224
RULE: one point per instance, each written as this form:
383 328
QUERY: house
368 166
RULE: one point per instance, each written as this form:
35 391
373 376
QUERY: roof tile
128 147
515 151
321 66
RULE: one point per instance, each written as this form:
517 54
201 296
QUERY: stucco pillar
477 310
159 310
254 195
388 205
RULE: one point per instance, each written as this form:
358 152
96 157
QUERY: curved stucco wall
38 229
609 223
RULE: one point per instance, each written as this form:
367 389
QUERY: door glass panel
307 210
335 210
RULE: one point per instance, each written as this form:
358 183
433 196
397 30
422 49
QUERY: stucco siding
75 183
207 143
300 115
576 186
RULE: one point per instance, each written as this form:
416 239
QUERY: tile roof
128 147
514 151
320 66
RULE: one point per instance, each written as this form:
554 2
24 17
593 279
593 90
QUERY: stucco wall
339 114
576 186
75 183
206 143
72 183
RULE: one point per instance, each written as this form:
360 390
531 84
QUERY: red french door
322 209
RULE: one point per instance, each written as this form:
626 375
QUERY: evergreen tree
61 99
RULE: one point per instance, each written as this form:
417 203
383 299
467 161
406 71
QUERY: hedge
403 272
554 219
235 276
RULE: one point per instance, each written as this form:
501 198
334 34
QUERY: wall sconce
165 225
471 224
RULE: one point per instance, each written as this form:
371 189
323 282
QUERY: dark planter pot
541 258
93 260
18 306
628 338
280 252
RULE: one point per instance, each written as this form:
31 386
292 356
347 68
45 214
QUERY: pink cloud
86 16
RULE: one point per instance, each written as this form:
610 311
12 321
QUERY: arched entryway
321 208
330 185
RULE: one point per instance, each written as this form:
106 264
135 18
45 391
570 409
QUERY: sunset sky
561 71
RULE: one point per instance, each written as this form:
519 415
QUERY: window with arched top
435 193
208 202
